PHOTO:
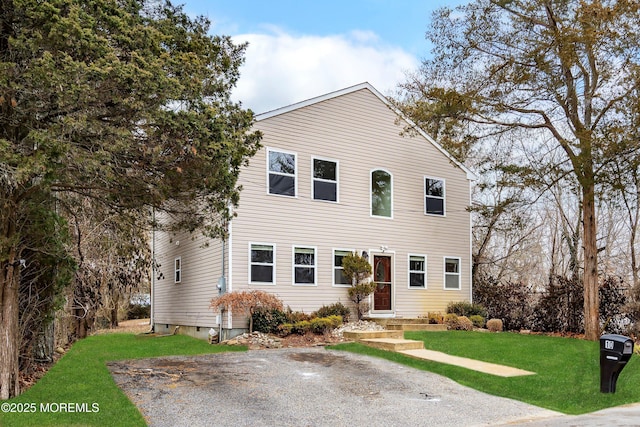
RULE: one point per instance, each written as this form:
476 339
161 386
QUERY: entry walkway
476 365
394 341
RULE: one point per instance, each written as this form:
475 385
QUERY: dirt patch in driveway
303 387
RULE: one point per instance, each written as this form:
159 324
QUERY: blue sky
301 49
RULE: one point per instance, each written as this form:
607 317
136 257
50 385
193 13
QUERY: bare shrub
494 325
451 320
247 302
464 324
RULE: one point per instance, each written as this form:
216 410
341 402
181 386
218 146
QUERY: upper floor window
452 273
304 266
381 193
325 180
262 264
433 196
282 173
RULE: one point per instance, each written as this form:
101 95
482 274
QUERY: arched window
381 193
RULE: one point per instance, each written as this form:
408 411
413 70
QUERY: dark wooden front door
382 277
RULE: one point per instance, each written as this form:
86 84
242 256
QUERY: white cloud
281 69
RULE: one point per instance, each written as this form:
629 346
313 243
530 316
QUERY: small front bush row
465 308
464 323
455 322
337 309
317 325
285 322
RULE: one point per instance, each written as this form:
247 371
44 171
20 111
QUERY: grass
81 377
567 370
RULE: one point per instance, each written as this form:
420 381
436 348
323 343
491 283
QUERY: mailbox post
615 352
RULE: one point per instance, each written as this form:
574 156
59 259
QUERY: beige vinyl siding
186 303
360 132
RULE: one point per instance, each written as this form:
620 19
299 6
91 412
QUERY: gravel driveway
305 387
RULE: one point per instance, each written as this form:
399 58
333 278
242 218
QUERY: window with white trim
452 273
262 263
339 278
381 193
433 196
325 180
304 265
282 172
417 271
177 270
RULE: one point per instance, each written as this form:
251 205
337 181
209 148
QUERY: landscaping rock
360 325
258 339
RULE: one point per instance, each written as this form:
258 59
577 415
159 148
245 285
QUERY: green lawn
81 377
567 370
567 379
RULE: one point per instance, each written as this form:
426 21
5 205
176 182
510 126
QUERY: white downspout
153 268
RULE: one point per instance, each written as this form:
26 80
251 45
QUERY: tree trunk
590 279
114 310
9 368
45 342
81 327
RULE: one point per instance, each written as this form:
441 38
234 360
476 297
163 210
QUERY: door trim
392 311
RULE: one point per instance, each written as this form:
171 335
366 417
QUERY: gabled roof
470 174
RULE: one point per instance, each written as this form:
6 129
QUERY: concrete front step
360 335
416 327
393 344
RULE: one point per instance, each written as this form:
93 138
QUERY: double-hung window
282 172
417 272
339 278
433 196
304 266
262 263
325 180
452 273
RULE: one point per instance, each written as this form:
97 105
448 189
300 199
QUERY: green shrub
336 309
464 324
335 320
301 327
451 320
357 270
465 308
359 294
285 329
320 325
267 321
477 320
494 325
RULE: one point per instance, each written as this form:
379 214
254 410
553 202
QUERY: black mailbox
615 352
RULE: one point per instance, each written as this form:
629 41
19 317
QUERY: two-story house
335 175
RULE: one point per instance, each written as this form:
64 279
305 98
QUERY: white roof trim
470 174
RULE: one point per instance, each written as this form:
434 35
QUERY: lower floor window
304 266
262 263
417 271
452 273
339 277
